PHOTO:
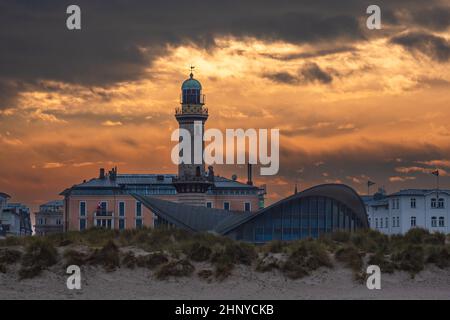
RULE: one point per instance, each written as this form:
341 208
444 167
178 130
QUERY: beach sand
244 283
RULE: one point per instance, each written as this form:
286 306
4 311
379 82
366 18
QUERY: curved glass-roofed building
310 213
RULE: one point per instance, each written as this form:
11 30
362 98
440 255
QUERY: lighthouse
191 116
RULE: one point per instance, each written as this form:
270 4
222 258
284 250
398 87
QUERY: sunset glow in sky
351 104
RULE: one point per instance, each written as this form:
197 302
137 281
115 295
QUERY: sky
352 104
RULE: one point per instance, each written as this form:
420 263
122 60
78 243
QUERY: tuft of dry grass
39 255
10 256
199 252
107 256
351 257
74 257
177 268
152 260
305 256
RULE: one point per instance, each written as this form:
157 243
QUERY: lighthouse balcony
194 110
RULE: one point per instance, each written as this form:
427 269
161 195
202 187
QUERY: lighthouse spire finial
192 71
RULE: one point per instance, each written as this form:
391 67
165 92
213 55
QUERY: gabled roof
192 218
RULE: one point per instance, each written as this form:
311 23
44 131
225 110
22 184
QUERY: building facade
14 218
311 213
108 201
397 213
49 218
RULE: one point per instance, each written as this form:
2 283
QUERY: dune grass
172 252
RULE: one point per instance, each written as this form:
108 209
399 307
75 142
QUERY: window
209 204
387 222
413 221
441 222
58 221
121 208
381 222
226 206
247 206
433 222
413 203
398 221
376 223
138 209
138 223
82 224
433 203
395 203
393 222
370 221
121 224
82 208
440 203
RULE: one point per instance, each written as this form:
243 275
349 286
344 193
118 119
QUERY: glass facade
299 218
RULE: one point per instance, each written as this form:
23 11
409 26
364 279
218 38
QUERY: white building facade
14 218
411 208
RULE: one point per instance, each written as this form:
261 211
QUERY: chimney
249 174
102 173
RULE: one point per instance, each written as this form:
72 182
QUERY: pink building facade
107 201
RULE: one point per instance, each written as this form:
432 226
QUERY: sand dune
336 283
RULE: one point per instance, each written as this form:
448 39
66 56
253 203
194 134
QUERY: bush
225 257
340 236
436 238
439 256
39 255
382 261
410 259
74 257
267 263
152 260
198 252
129 260
179 268
10 256
416 235
351 257
305 257
11 241
370 241
108 256
275 246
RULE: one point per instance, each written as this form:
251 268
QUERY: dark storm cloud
437 18
435 47
309 73
119 39
312 54
378 161
282 77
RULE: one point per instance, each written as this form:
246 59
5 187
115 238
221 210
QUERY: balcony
195 111
103 213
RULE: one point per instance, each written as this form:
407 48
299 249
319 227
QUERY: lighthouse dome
191 83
